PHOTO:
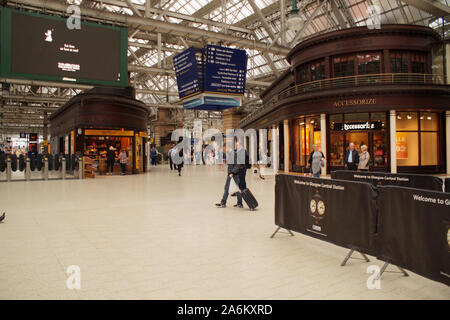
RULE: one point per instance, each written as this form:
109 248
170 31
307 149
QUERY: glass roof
219 15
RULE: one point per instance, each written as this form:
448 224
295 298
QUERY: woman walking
316 161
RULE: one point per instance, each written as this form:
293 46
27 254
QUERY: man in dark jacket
233 170
243 160
351 159
110 159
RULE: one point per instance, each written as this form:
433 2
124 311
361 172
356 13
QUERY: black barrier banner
341 212
414 231
418 181
447 185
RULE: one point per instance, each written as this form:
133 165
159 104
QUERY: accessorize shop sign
355 102
351 126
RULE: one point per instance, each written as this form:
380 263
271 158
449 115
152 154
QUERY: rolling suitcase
249 199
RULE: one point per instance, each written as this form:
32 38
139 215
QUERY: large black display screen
46 47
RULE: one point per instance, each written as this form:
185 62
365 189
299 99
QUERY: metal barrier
66 167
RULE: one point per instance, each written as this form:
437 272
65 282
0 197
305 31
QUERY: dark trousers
171 163
109 166
352 166
242 183
153 161
179 167
227 188
123 167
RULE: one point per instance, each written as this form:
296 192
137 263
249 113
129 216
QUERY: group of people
352 160
357 161
111 158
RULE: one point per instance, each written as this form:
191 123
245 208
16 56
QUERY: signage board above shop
225 70
358 126
216 81
186 72
355 102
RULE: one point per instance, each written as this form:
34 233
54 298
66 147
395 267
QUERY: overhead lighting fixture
295 21
429 118
408 117
399 117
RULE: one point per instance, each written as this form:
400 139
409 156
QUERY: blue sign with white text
225 70
186 72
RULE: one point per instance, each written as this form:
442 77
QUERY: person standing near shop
169 154
123 160
316 161
364 159
153 156
351 159
110 159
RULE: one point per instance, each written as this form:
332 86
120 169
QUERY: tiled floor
158 236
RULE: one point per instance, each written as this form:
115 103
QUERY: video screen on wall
43 47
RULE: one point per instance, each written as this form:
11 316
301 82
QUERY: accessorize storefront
92 122
384 89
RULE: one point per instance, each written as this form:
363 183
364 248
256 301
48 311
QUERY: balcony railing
352 81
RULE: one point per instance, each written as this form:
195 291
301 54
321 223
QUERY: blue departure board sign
225 70
187 74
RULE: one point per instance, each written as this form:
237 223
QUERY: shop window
407 148
429 142
407 121
418 61
352 117
429 121
344 66
399 62
303 74
373 137
417 140
306 132
369 63
317 70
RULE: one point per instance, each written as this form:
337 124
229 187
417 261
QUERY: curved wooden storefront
392 73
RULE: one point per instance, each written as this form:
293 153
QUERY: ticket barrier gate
44 164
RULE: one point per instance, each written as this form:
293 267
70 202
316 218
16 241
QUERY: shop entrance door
358 138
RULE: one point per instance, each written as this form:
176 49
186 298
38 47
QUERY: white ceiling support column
147 8
159 50
347 14
262 19
133 8
338 14
283 21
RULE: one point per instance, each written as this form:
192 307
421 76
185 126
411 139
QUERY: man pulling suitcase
238 171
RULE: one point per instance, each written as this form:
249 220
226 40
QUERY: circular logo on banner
313 206
448 236
317 207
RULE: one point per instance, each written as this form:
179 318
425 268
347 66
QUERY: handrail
351 81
